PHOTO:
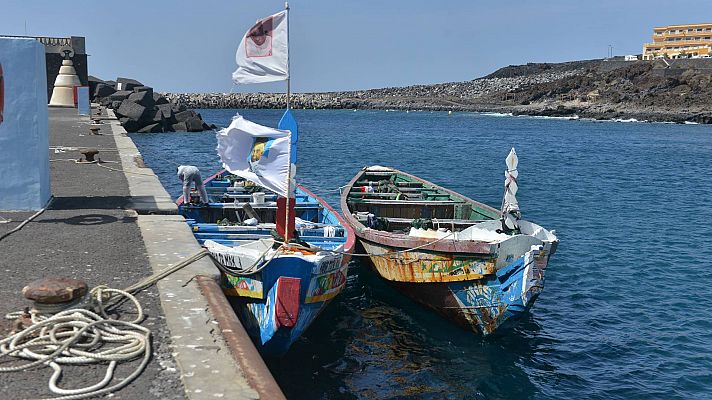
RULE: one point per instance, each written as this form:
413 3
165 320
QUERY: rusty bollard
55 290
89 154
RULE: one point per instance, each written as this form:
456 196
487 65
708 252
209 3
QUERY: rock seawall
443 96
140 109
677 91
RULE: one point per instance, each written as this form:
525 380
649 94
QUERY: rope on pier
100 164
25 222
81 336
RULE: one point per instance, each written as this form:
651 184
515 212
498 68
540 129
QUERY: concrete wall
613 64
24 143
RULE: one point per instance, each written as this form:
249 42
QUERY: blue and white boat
282 250
276 289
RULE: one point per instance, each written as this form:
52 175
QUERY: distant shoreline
595 89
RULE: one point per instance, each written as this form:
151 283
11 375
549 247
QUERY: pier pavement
113 224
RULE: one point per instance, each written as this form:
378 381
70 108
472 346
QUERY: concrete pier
113 223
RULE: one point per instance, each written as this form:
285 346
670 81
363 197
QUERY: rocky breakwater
140 109
670 91
455 96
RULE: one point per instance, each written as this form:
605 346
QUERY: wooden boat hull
318 284
278 303
464 288
479 283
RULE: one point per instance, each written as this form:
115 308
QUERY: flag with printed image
257 153
263 53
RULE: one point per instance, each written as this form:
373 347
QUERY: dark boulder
194 124
158 99
115 105
106 101
102 90
120 95
132 110
129 124
167 127
111 83
178 107
166 112
143 98
180 127
127 84
143 89
93 83
152 128
152 116
184 116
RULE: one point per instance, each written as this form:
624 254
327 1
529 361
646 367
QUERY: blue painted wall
24 142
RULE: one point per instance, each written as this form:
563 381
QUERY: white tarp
263 54
257 153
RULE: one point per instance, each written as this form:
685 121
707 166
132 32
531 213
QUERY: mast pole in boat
289 70
289 152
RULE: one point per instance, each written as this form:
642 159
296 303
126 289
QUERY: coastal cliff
663 90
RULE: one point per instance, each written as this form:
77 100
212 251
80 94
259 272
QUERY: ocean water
624 313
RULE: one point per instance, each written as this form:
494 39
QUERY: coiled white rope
82 336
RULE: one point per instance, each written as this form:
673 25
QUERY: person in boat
190 174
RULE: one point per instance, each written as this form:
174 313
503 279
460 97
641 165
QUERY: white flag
264 52
256 153
510 205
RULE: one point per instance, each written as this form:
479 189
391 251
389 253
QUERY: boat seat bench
445 222
409 202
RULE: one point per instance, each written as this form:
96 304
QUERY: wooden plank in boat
382 195
409 202
267 205
409 184
442 221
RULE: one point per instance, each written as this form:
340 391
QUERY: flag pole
289 71
289 148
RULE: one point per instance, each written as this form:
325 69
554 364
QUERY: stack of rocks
139 109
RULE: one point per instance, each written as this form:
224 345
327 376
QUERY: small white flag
257 153
264 52
510 205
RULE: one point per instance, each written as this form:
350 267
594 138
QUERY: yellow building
680 41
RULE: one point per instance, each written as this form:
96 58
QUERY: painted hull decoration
277 290
449 253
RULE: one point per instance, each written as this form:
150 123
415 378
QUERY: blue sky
189 46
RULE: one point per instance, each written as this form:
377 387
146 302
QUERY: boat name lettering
329 264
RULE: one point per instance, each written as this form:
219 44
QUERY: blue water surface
624 314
